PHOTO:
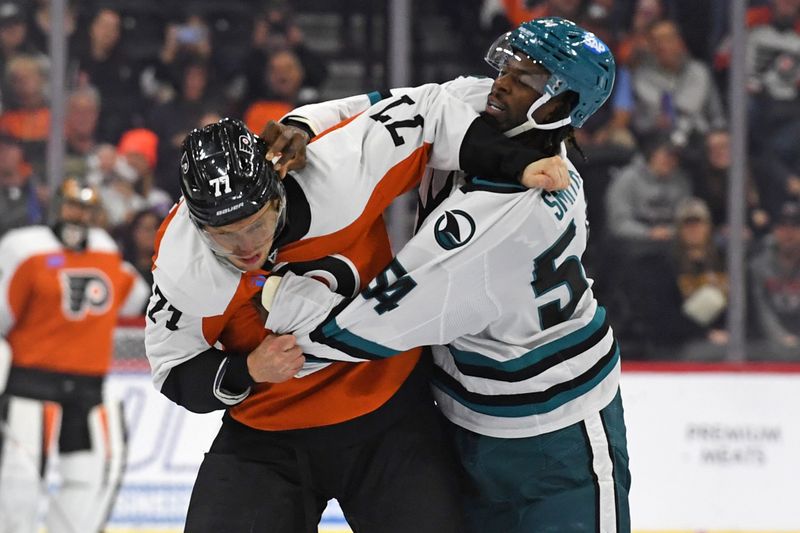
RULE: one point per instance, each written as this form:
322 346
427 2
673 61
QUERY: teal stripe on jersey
374 97
513 411
537 354
345 336
497 185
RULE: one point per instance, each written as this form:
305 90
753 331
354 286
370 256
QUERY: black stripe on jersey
526 398
299 124
4 406
498 374
319 337
474 183
298 214
377 96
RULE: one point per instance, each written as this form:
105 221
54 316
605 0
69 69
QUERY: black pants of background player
399 479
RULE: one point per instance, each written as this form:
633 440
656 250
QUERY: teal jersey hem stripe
333 331
374 97
516 411
497 185
537 354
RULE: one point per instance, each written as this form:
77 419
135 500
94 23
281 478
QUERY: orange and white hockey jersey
58 307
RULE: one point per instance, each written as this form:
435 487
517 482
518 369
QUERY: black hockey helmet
225 176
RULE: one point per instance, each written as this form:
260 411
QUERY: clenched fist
550 174
275 360
288 142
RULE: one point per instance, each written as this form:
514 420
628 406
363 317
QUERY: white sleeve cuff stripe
221 394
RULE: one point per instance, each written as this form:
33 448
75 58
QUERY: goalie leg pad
91 475
27 428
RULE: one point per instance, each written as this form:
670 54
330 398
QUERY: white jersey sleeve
320 116
16 247
171 336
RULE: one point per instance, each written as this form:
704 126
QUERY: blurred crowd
655 160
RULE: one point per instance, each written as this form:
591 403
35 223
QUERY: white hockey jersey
493 280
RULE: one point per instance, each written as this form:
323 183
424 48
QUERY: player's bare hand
550 174
275 360
287 142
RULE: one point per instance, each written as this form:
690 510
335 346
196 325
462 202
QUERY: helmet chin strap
531 123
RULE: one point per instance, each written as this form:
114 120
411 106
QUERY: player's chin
249 262
495 118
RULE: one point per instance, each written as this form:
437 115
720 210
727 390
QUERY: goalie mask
577 60
76 208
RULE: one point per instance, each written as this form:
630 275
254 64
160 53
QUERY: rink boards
713 449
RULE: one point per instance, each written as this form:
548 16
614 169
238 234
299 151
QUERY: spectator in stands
114 178
775 276
103 64
674 94
26 115
13 33
773 63
139 149
634 47
80 127
137 241
274 30
642 198
679 304
20 198
187 43
710 183
126 175
172 120
40 29
284 75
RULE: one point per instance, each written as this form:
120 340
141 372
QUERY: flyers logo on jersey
84 291
453 229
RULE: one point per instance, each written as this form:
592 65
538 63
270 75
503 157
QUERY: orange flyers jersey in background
58 307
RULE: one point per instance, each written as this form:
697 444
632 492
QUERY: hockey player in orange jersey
61 290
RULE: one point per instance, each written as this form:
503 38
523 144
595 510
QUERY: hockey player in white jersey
527 367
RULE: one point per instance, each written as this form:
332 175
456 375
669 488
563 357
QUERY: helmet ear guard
577 60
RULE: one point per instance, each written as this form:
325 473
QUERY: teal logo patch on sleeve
454 229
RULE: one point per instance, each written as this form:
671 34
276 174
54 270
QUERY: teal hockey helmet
576 59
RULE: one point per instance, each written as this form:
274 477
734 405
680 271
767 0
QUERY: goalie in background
61 290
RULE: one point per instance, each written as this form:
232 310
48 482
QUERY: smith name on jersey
493 281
